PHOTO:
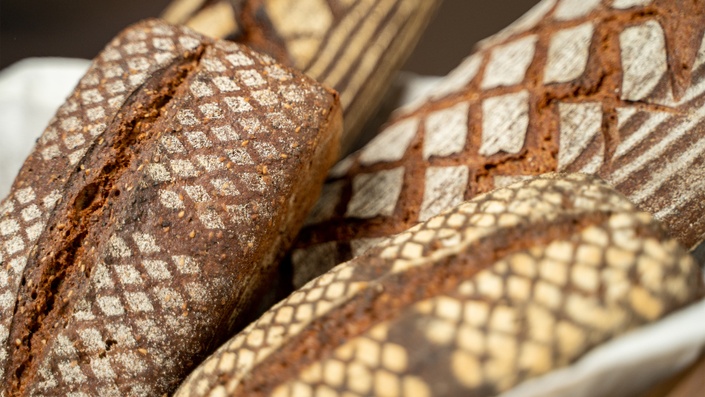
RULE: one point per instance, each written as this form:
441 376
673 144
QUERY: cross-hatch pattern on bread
353 46
614 88
64 248
498 290
152 210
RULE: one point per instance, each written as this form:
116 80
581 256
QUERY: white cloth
30 92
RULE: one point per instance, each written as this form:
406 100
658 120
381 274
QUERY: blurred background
80 28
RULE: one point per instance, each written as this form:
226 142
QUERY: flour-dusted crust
611 88
498 290
214 18
149 214
353 46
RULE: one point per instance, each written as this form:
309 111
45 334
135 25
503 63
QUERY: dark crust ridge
472 254
600 84
62 262
403 23
258 31
385 301
392 296
221 154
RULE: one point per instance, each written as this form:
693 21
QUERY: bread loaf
611 88
354 47
498 290
215 18
150 212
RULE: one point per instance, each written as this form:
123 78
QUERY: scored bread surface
614 88
149 214
498 290
354 47
214 18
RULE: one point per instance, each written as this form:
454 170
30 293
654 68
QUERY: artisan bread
503 288
354 47
610 88
208 17
151 211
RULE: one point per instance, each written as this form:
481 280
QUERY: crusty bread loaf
214 18
572 86
152 209
354 47
501 289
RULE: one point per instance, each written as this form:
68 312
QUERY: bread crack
52 275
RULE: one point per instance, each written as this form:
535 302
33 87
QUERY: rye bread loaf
151 211
612 88
501 289
353 46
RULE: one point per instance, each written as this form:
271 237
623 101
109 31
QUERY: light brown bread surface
500 289
148 217
353 46
614 88
214 18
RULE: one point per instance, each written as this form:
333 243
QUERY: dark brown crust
78 223
261 32
169 220
392 295
357 52
655 158
258 32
